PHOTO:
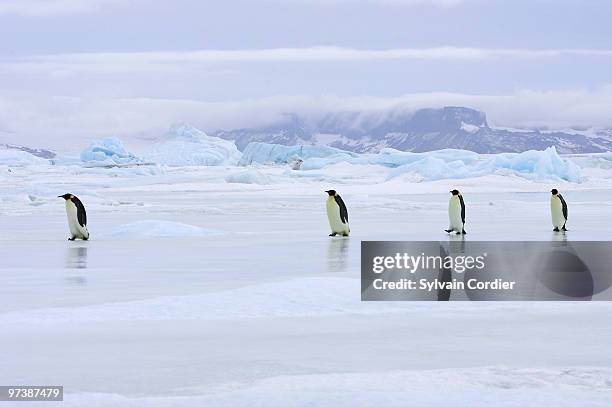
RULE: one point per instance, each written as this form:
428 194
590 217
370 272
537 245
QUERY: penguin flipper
343 210
81 213
462 208
563 207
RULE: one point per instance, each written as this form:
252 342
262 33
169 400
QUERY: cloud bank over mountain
60 121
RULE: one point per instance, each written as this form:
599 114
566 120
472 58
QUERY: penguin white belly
454 215
333 215
556 211
76 230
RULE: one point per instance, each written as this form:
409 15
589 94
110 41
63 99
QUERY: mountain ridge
422 130
38 152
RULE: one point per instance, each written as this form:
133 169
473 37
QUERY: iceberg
184 145
248 177
534 165
108 151
539 165
262 153
444 164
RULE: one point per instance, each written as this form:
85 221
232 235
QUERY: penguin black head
454 192
66 196
331 192
554 191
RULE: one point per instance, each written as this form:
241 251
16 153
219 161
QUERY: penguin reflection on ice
558 211
337 255
76 257
77 218
456 213
337 214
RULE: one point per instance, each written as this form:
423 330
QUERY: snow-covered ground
219 285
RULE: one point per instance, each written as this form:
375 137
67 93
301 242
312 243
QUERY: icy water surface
256 239
267 293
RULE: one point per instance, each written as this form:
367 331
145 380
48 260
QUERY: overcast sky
71 70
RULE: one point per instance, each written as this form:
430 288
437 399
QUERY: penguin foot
71 238
448 230
464 232
332 234
555 229
345 234
564 229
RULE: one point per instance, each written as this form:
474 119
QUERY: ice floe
250 176
161 228
11 157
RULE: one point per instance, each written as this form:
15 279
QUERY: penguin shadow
337 254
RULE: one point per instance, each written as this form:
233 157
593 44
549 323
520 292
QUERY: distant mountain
39 152
418 131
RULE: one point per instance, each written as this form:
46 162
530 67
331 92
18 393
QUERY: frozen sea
197 291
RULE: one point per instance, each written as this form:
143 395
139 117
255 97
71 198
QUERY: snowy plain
218 285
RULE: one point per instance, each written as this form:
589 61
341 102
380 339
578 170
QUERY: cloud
42 8
114 62
45 8
70 122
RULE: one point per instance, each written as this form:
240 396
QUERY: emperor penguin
558 210
456 213
337 214
77 218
